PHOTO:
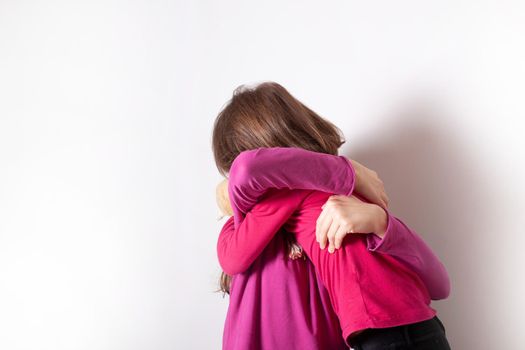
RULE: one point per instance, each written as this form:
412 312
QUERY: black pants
425 335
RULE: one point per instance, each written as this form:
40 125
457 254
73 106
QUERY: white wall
107 211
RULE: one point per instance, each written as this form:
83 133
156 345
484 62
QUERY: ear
223 199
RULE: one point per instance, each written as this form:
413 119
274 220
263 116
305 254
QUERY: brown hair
267 115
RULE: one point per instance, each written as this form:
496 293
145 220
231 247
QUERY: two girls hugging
312 256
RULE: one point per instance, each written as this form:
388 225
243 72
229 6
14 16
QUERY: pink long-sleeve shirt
275 290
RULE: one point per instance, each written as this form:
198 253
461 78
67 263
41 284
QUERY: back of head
267 115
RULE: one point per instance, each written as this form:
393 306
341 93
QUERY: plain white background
108 221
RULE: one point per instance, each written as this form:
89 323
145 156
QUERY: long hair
267 115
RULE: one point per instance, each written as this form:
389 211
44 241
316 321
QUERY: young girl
367 290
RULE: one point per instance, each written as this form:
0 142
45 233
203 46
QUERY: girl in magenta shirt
279 303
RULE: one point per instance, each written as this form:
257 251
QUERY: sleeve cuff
376 243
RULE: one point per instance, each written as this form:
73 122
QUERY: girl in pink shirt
366 290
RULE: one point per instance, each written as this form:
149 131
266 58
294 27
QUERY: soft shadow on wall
437 189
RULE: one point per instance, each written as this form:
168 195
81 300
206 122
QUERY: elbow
242 168
230 263
441 294
230 257
443 289
232 268
446 290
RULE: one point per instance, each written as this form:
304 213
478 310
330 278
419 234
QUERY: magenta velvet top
278 303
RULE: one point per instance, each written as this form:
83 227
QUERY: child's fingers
339 236
323 230
331 247
331 236
319 223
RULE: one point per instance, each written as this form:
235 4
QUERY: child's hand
223 199
342 215
369 185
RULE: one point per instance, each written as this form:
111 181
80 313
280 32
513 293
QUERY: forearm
236 252
408 247
255 171
239 245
